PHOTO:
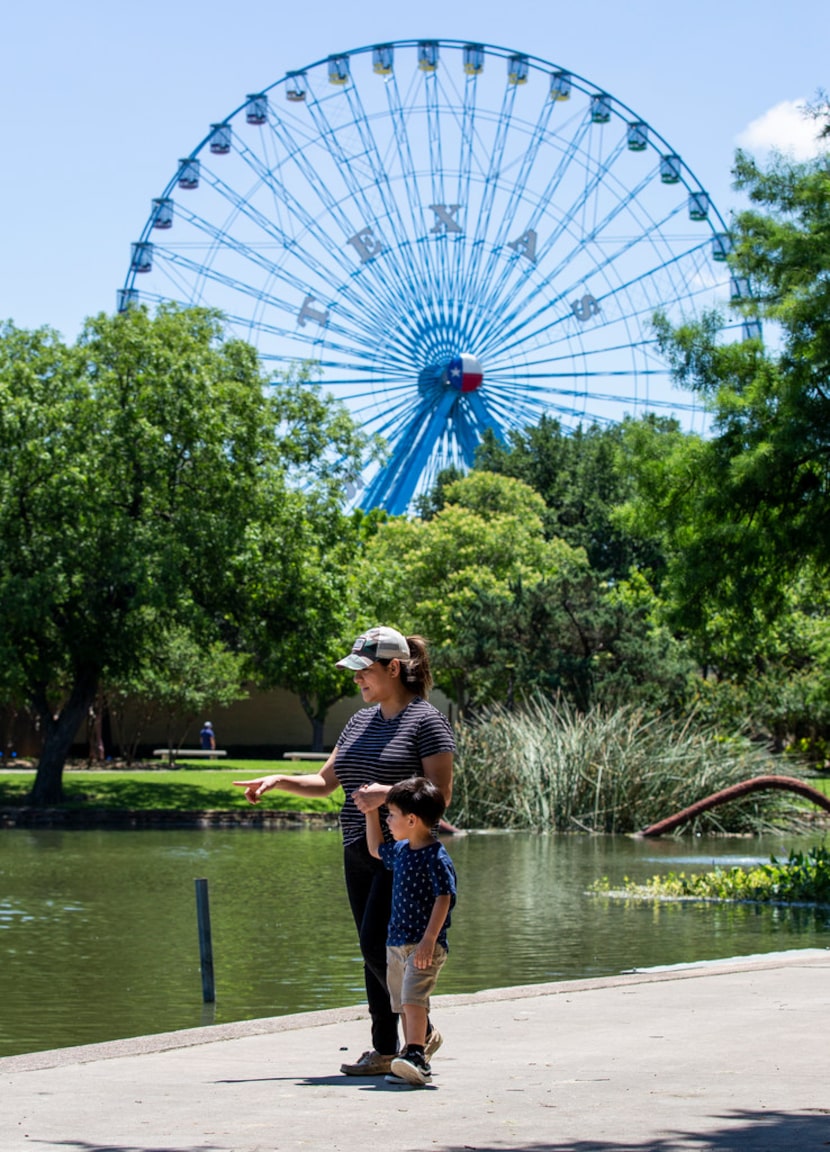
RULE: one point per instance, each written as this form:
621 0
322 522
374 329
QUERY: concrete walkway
729 1056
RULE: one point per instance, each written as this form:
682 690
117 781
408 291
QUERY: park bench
306 755
187 753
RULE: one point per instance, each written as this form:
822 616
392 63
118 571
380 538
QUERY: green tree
180 680
583 476
142 473
464 578
302 611
757 504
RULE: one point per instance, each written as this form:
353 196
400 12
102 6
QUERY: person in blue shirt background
207 739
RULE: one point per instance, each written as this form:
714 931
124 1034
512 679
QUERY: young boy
423 892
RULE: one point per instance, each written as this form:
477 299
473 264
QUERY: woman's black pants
369 886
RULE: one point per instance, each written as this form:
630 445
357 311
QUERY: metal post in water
205 943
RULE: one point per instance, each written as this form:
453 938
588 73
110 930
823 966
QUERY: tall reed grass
548 767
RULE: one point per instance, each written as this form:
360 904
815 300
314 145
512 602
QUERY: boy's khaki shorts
406 983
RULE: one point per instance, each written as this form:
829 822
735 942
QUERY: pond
98 933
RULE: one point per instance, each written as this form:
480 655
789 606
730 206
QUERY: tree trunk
317 727
316 714
96 731
59 734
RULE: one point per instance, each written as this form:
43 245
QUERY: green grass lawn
189 787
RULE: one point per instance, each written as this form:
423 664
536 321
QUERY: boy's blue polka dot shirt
419 875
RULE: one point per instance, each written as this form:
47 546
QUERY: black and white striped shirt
372 750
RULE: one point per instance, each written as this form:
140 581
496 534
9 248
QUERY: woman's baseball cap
376 644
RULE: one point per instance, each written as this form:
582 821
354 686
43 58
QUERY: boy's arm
422 957
374 836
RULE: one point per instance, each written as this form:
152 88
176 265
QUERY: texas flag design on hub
464 373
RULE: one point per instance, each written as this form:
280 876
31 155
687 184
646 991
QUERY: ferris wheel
461 237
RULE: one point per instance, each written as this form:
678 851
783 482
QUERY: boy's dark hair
418 797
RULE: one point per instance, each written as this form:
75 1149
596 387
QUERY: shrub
547 766
802 878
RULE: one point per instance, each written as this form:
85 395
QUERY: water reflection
98 929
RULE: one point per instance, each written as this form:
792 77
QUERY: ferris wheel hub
464 373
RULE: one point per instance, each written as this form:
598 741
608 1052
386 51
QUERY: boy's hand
422 957
369 796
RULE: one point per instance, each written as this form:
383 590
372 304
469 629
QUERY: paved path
729 1056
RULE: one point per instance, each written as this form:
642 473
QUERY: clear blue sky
100 99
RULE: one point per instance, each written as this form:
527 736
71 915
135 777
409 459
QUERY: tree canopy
148 480
755 502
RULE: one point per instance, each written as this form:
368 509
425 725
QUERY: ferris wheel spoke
482 223
549 360
577 252
522 327
195 270
631 398
580 239
467 149
445 227
177 261
307 223
400 155
412 451
286 241
335 247
358 172
500 273
391 207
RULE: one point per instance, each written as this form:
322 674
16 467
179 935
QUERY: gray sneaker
433 1043
371 1063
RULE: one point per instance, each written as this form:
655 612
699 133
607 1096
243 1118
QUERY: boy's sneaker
412 1068
371 1063
433 1043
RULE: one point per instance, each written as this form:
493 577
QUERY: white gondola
473 59
722 245
338 70
637 137
126 298
739 288
560 86
517 70
141 257
670 168
428 55
383 59
257 109
698 205
600 108
295 87
189 173
752 330
220 139
163 212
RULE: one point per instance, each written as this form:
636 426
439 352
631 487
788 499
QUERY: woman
398 735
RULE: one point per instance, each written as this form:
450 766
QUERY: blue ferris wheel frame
453 256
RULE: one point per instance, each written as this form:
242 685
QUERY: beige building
267 724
